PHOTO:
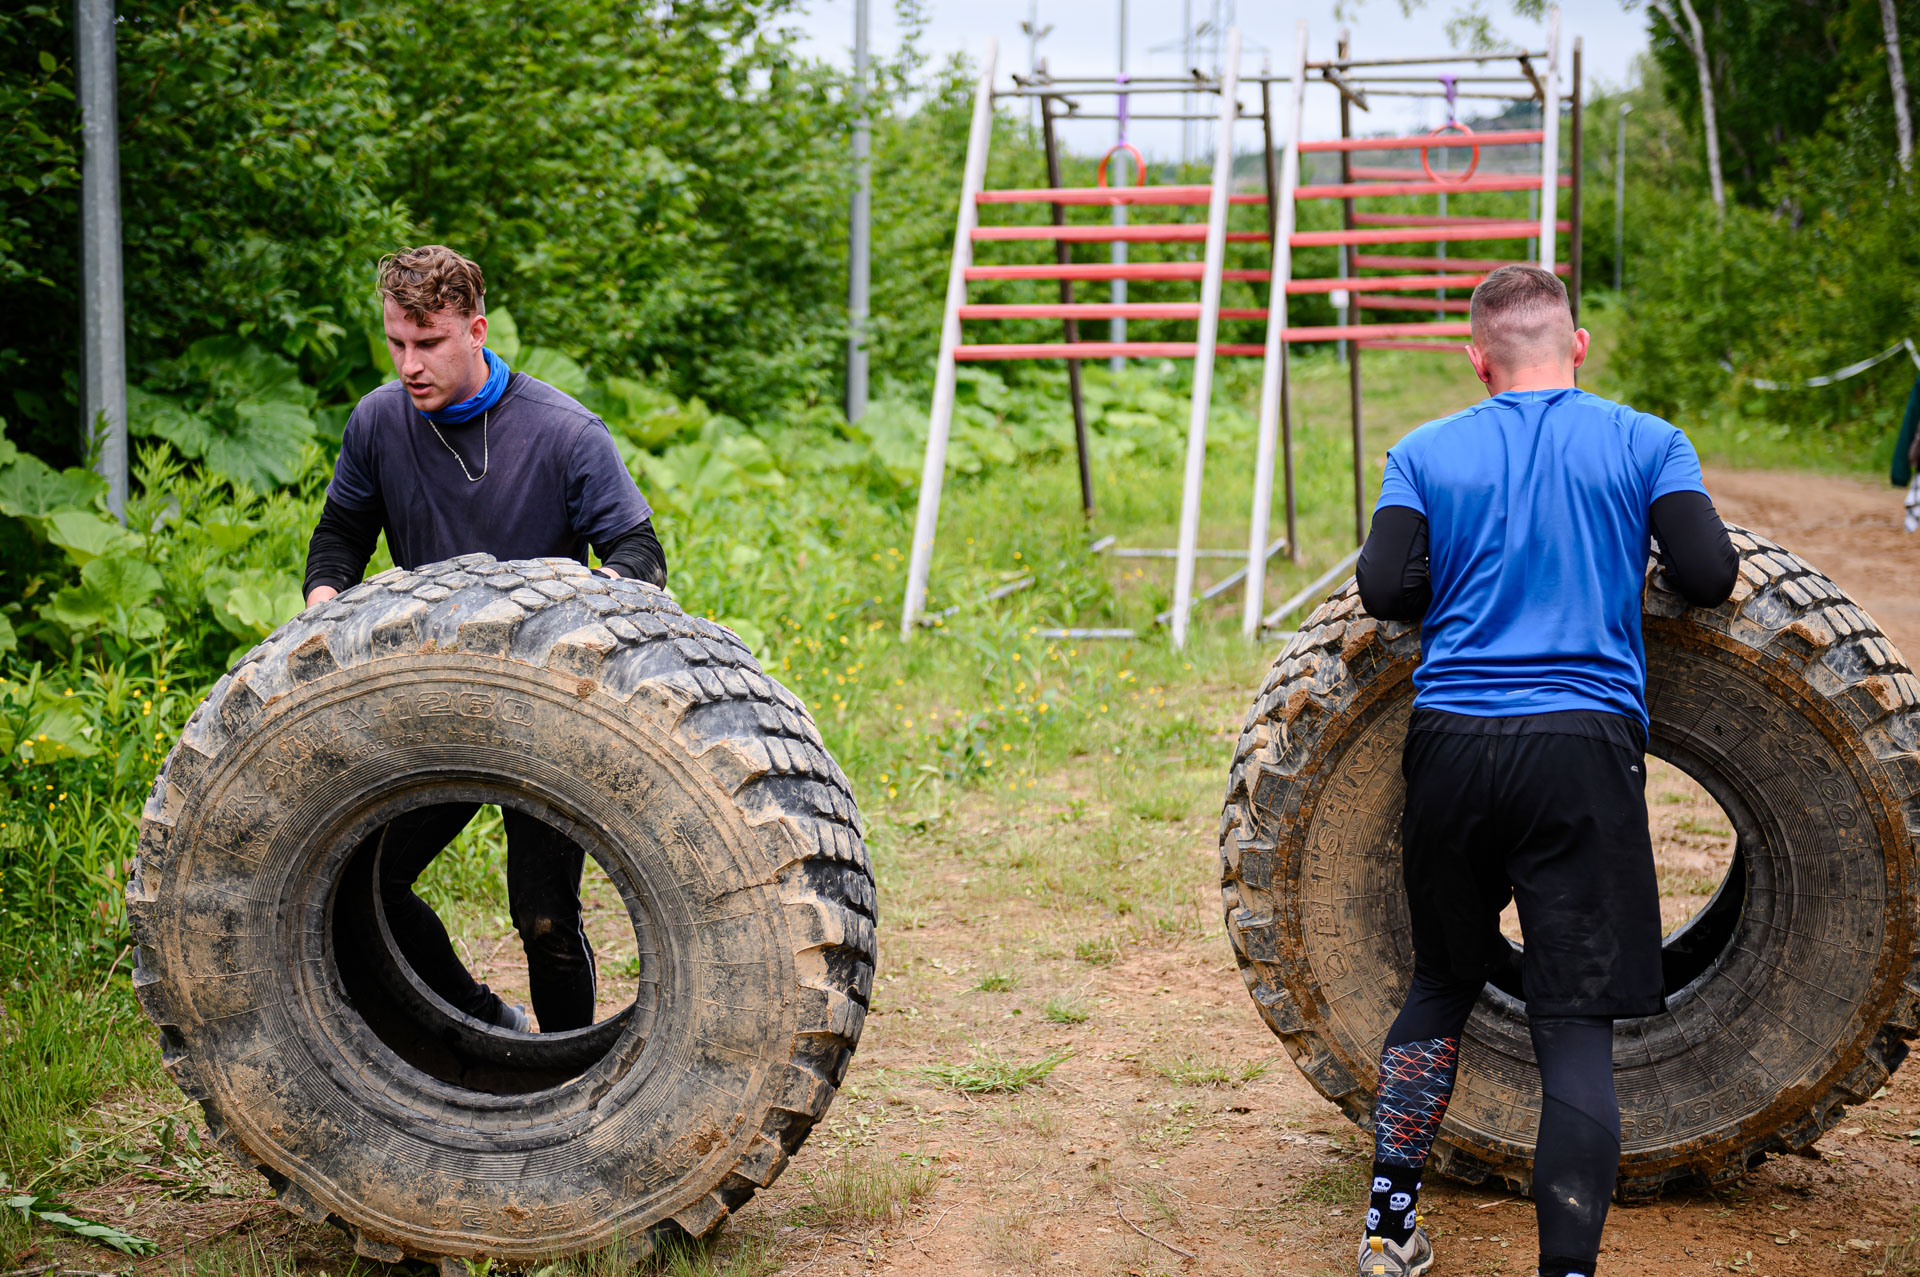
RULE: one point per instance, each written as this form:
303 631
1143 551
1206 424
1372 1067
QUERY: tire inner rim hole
1701 872
415 995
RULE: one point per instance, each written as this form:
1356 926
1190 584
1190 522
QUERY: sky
1085 37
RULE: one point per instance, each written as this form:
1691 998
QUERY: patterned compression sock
1416 1081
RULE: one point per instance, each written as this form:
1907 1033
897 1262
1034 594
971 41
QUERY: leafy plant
47 1211
242 409
988 1072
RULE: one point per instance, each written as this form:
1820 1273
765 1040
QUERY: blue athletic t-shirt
1537 510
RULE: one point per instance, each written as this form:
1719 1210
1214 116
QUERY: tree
1694 40
1903 123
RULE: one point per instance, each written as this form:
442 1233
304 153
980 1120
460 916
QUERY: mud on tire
1790 996
652 738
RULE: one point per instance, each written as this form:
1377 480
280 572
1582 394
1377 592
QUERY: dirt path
1079 922
1848 528
1260 1175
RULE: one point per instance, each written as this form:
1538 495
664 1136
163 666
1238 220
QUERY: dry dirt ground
1079 922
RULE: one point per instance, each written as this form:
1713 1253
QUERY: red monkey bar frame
1356 294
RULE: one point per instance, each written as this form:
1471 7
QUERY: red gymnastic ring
1450 179
1139 163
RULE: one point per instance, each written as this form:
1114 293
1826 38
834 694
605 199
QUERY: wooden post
1063 253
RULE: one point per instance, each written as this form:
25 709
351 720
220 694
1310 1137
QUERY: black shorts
1549 810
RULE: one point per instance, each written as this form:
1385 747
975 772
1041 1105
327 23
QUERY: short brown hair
431 278
1517 310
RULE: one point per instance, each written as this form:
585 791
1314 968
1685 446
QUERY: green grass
65 1041
1067 1011
989 1073
858 1187
984 707
1207 1070
999 982
1341 1184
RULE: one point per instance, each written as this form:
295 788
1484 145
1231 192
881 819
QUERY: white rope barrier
1851 370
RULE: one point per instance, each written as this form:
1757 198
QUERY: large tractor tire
1790 996
596 705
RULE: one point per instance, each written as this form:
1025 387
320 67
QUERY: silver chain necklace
485 456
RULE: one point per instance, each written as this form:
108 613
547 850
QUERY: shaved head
1521 318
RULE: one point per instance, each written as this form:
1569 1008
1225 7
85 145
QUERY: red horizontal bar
1109 196
1174 233
1368 173
1187 349
1384 283
1360 332
1103 310
1449 305
1511 137
1363 261
1079 350
1402 235
1396 344
1367 190
1096 271
1440 219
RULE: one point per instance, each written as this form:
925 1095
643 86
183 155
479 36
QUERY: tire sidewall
311 1091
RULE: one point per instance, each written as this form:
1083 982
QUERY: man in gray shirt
462 455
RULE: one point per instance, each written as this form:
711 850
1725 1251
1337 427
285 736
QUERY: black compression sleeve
1695 549
1393 566
636 553
342 543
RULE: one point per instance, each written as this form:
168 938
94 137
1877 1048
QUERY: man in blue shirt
1517 533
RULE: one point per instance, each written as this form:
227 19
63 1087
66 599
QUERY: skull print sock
1390 1210
1416 1081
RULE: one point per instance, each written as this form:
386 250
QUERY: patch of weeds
1685 884
1195 1070
1339 1185
998 982
1164 805
1702 828
863 1187
1011 1240
990 1073
248 1259
1067 1010
1097 951
55 1214
734 1254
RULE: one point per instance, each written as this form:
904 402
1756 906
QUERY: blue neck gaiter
487 396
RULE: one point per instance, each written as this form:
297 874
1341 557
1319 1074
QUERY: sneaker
514 1018
1382 1258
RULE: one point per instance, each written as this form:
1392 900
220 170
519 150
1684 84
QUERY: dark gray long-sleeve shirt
536 476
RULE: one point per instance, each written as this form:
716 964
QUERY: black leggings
1577 1153
543 894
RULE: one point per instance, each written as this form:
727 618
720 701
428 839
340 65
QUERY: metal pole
1281 222
1063 253
940 417
1186 68
103 315
1355 316
1550 141
1620 199
1205 341
1575 153
1117 326
860 226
